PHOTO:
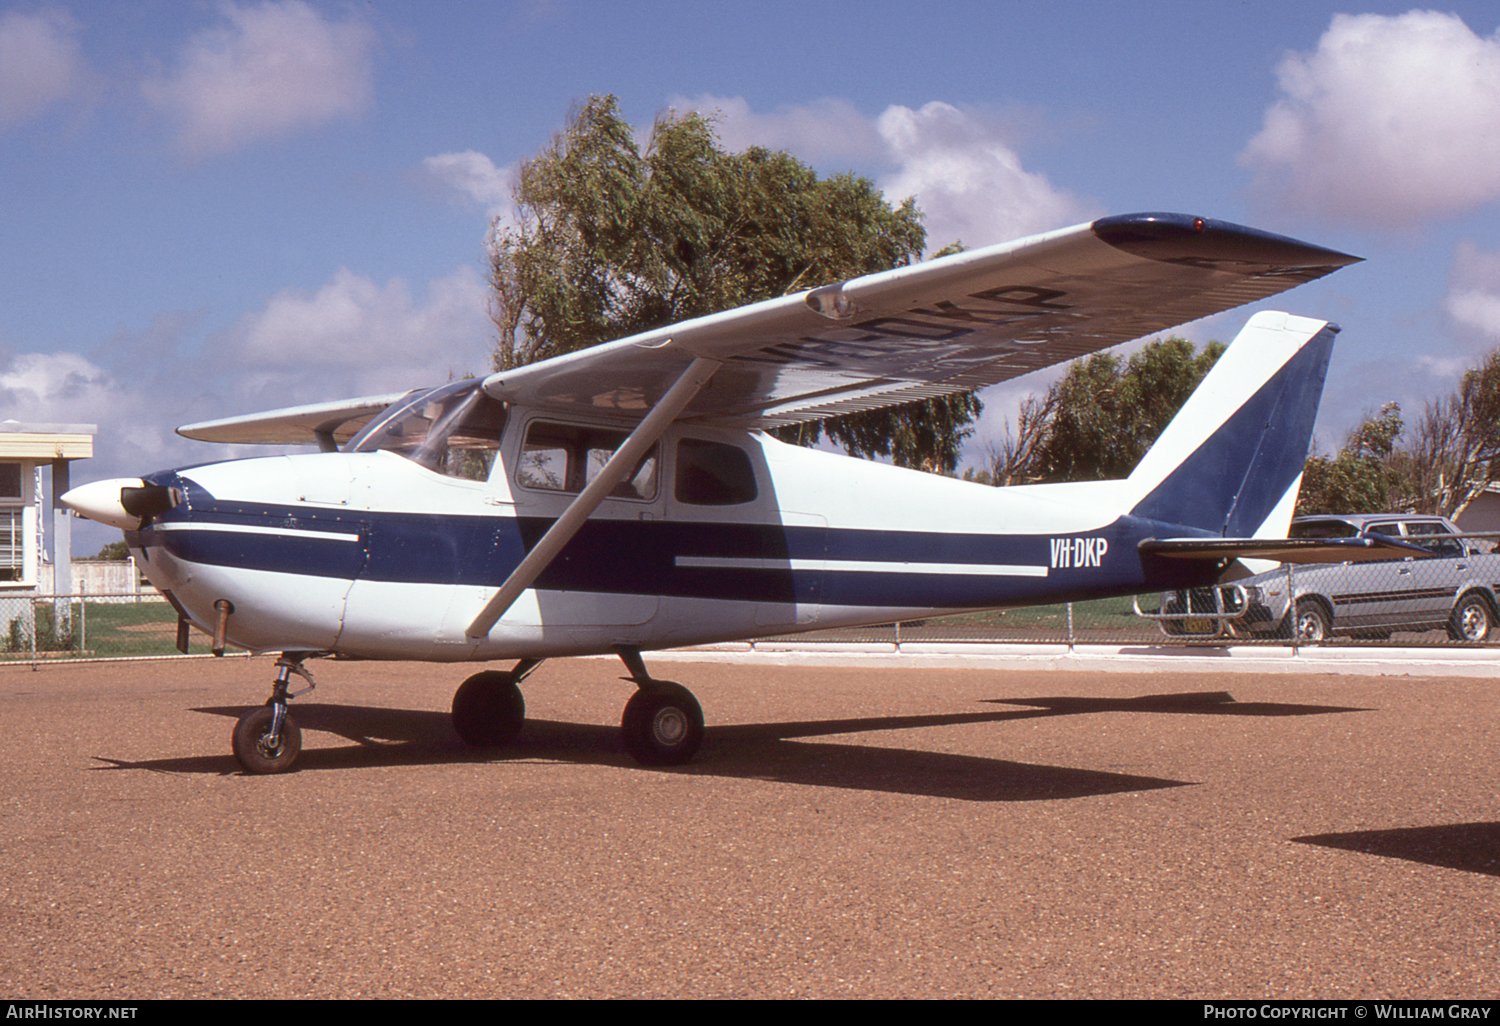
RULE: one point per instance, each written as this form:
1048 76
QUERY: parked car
1455 589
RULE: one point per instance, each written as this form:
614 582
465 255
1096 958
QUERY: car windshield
454 430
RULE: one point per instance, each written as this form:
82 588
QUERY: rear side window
713 474
1442 545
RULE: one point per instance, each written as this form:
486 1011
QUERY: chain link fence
106 626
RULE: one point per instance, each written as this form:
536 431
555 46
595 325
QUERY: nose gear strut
268 739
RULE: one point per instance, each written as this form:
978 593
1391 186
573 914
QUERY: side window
1435 538
713 474
566 457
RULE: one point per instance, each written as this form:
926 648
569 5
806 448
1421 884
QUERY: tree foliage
1450 460
115 550
1098 420
613 239
1453 458
1365 476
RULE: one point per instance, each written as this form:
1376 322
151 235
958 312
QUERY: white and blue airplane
627 497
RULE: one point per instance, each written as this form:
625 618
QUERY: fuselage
718 535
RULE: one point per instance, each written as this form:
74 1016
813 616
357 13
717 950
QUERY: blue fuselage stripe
755 562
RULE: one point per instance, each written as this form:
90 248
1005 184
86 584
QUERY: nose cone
104 501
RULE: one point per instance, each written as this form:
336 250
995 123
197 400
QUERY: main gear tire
489 709
662 725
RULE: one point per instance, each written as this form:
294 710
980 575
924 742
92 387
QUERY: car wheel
1471 619
1312 622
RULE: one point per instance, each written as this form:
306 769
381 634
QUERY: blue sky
217 207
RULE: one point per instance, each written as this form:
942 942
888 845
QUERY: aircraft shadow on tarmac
760 751
1471 847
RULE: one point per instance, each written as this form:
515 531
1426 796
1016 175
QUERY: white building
25 450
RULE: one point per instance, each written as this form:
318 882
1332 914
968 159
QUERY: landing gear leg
663 723
267 739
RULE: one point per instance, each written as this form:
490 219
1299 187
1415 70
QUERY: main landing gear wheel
489 709
258 749
662 725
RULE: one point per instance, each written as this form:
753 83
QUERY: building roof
46 441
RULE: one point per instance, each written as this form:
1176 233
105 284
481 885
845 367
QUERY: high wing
328 424
932 329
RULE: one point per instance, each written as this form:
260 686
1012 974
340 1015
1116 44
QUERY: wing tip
1185 238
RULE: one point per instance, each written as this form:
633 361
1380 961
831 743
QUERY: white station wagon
1456 588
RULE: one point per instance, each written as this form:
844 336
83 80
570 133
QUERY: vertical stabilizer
1231 460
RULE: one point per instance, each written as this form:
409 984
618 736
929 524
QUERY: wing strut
614 471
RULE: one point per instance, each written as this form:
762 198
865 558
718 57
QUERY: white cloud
1392 121
276 68
477 177
354 336
966 179
40 63
67 388
1473 299
52 387
829 129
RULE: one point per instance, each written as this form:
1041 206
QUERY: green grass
105 630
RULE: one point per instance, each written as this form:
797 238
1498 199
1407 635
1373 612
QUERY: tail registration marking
1077 552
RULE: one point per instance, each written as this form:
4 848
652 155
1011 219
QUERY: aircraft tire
662 725
249 742
488 710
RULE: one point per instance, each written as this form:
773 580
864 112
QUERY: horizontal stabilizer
1283 550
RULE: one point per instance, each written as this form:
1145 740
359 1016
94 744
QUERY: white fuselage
369 554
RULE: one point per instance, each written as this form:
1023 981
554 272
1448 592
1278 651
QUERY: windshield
454 430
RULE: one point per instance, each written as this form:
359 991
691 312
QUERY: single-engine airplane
626 498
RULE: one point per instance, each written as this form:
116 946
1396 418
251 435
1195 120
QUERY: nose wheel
268 739
662 724
264 745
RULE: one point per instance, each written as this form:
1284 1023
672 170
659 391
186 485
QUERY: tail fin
1231 461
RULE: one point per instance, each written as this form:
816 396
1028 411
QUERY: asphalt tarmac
844 833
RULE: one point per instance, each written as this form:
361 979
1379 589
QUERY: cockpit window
454 430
